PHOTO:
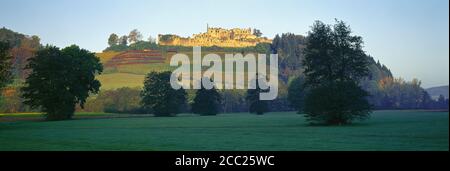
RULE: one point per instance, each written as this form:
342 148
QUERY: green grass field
118 80
386 130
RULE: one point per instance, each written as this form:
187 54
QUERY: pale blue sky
410 36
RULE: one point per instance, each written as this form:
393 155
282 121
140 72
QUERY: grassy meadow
386 130
118 80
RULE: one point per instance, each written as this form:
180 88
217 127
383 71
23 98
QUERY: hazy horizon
410 37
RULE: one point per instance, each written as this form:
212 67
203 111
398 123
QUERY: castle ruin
235 37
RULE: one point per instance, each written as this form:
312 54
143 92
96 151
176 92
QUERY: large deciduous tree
206 102
334 65
61 79
159 96
123 40
134 36
113 40
257 32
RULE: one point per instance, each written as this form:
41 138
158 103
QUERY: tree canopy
60 79
113 39
334 65
159 96
206 102
134 36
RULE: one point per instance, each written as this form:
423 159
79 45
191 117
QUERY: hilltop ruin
220 37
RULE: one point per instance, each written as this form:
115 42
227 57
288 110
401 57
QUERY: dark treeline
396 93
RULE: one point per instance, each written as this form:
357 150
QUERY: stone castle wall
216 37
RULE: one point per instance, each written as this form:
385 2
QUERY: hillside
16 39
435 92
127 67
135 62
135 58
23 47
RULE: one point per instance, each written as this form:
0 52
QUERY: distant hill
23 47
16 39
142 57
436 91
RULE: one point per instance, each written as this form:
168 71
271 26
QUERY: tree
296 93
123 41
134 36
334 65
159 96
61 79
255 104
442 103
113 39
336 104
257 32
206 102
5 65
